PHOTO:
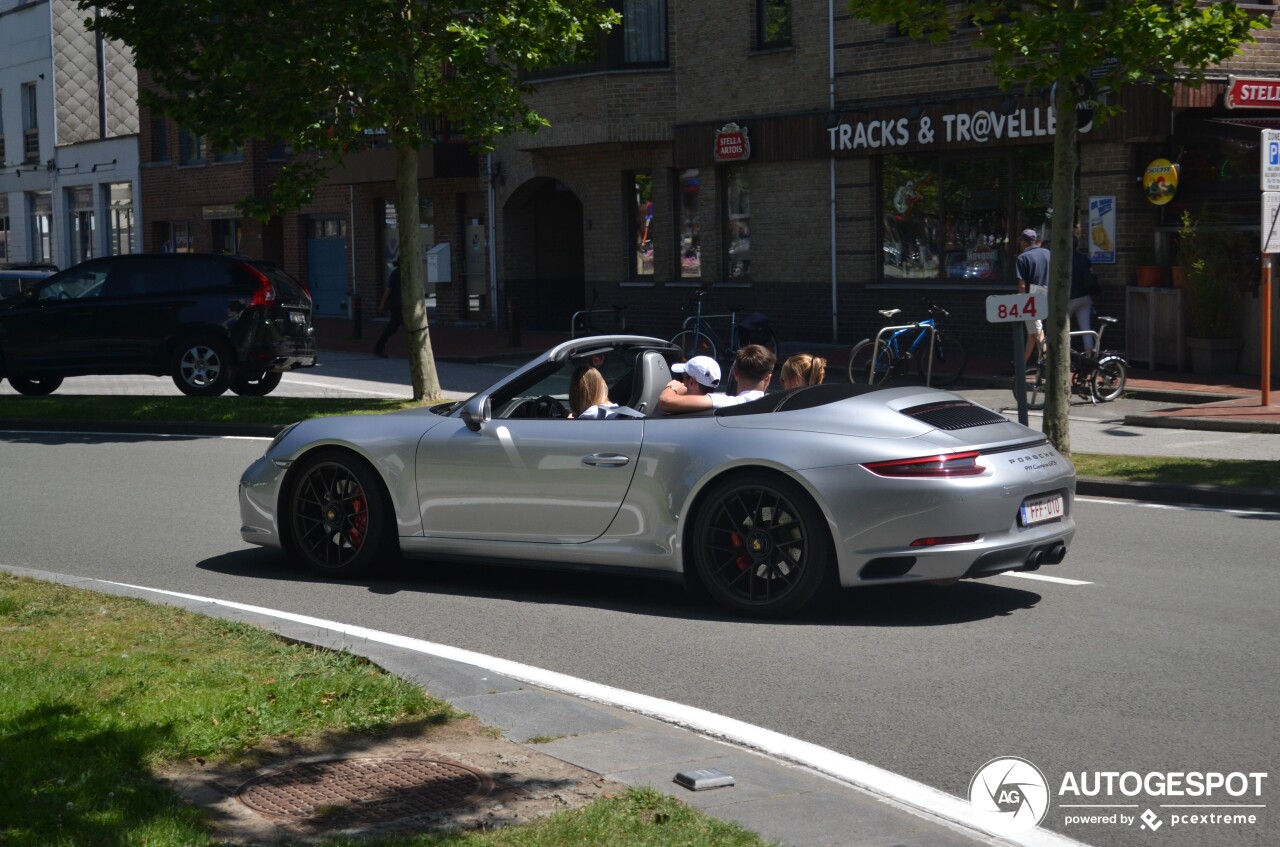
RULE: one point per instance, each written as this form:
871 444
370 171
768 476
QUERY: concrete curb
1203 424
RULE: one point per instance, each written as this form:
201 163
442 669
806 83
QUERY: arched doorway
543 253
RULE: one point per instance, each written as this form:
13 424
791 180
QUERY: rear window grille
954 414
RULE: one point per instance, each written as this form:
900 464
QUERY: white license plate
298 317
1042 509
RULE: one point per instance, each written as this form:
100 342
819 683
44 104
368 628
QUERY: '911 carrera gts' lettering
1033 461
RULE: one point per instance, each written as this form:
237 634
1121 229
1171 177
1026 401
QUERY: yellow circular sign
1160 181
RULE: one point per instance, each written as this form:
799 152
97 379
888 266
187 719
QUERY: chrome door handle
606 460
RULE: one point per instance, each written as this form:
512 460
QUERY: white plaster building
68 138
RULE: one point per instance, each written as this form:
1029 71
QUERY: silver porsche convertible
764 505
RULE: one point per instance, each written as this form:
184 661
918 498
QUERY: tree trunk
1066 160
422 361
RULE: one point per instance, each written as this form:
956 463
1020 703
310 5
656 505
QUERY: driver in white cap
694 389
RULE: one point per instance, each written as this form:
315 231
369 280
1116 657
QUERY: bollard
513 324
356 318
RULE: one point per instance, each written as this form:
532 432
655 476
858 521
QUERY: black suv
212 322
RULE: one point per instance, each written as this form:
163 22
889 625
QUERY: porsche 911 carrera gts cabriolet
763 504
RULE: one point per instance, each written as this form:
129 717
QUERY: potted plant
1214 264
1149 273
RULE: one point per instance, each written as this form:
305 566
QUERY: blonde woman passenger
803 369
589 395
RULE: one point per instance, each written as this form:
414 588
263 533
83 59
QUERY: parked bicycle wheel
1034 379
1108 378
861 367
949 359
694 344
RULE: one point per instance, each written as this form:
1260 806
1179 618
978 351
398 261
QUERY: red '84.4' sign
1006 308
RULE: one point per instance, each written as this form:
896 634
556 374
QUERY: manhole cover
362 792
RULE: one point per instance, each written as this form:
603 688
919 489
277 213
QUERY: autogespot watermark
1012 795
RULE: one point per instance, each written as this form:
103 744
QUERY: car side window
79 284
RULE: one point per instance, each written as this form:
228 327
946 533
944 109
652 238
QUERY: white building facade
69 187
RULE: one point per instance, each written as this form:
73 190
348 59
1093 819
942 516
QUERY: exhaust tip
1033 561
1056 554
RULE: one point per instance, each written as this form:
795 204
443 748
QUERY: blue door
327 275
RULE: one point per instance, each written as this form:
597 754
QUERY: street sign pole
1016 309
1270 244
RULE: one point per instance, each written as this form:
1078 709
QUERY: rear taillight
947 464
264 293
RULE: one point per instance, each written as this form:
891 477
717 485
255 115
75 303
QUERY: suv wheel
260 386
35 386
202 368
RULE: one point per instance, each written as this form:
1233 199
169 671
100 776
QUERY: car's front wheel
202 367
259 386
35 386
760 545
337 519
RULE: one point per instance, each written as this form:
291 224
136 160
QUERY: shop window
82 223
952 219
639 202
773 23
4 234
689 235
178 238
228 234
737 197
120 208
41 225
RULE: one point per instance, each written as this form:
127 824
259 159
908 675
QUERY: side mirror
477 412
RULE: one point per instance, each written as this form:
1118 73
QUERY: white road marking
892 786
1058 579
346 389
1186 507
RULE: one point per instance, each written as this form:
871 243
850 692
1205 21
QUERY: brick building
809 165
820 168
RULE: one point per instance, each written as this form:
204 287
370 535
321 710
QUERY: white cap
704 369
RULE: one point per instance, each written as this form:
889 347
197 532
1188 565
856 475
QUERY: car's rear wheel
259 386
202 367
760 545
35 386
337 517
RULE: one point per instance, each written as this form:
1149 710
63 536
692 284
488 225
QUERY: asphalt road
1162 660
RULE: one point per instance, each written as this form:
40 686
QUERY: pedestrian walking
1032 266
390 302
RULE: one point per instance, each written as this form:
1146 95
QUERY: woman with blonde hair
589 395
803 369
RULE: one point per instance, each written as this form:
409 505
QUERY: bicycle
699 338
1097 374
581 323
876 360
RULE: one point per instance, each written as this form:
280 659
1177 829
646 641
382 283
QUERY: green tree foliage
1075 50
325 77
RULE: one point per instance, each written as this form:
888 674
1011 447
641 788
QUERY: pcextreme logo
1011 795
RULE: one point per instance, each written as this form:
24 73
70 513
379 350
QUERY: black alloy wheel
760 545
35 386
202 367
949 360
259 386
339 517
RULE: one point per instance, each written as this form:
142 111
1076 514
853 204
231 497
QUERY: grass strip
1177 470
97 691
166 409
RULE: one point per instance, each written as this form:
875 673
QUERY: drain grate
363 792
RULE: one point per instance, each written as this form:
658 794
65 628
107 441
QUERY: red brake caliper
359 522
742 562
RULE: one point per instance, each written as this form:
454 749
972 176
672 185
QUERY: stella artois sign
1245 93
732 144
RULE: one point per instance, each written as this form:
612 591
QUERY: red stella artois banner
732 144
1243 93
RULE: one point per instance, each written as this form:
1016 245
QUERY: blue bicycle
889 354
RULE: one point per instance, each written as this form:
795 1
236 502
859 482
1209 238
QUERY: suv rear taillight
264 293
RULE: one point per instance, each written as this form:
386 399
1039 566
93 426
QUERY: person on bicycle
1080 305
803 369
700 376
1032 267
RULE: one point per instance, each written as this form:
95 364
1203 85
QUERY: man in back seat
700 376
